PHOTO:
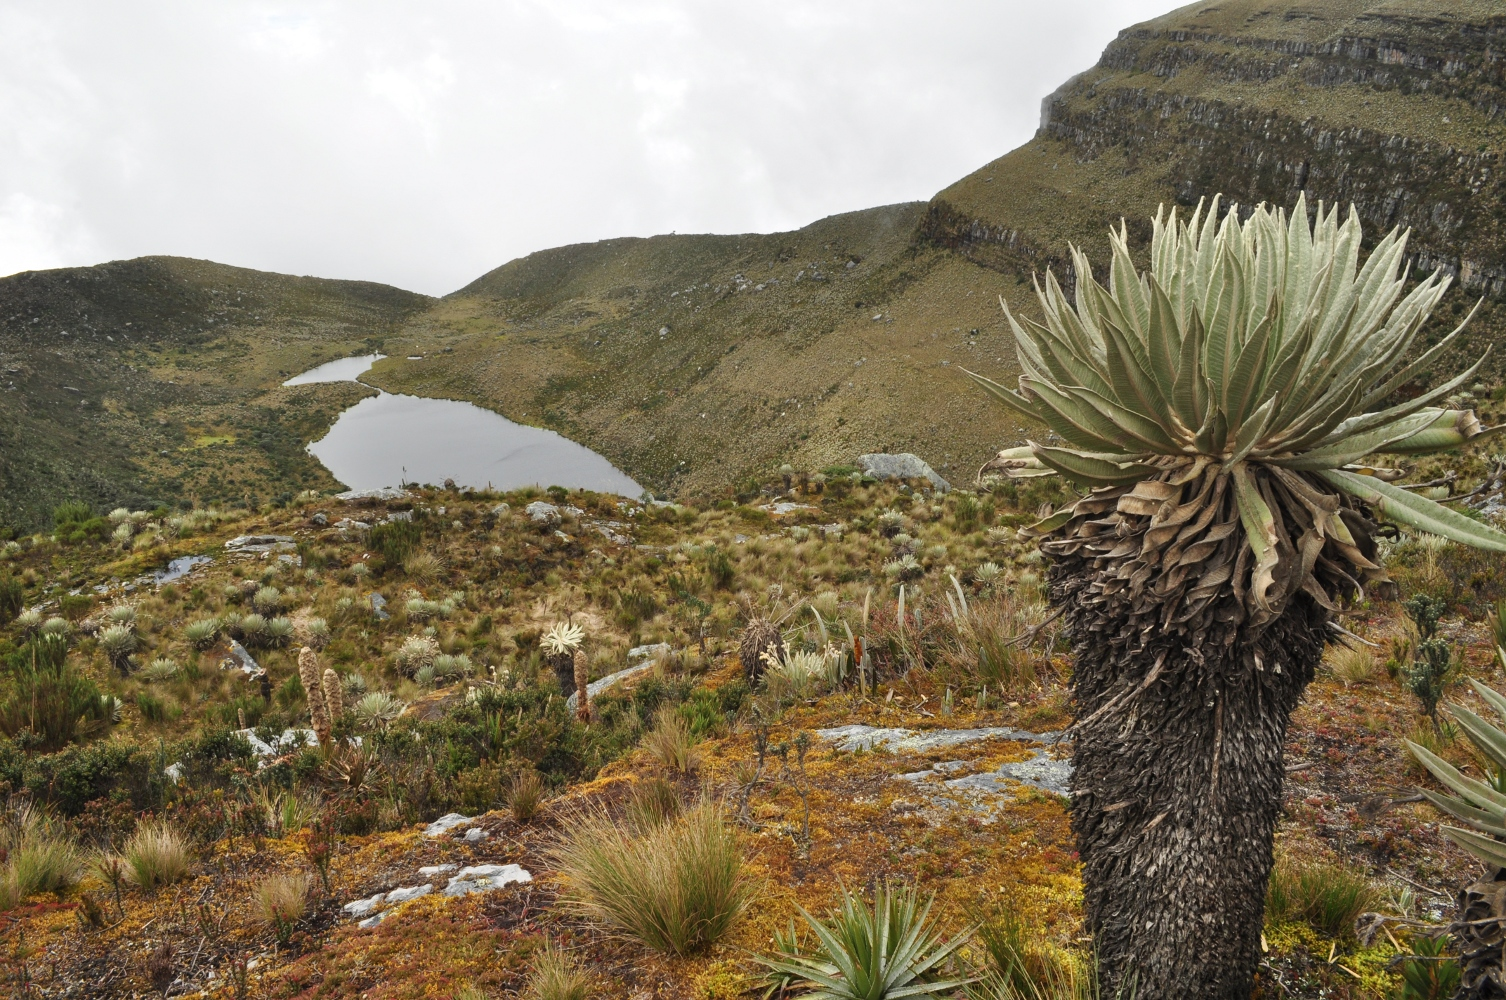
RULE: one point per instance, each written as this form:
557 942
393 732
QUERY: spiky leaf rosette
1219 405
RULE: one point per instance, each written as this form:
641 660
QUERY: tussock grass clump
670 743
281 901
557 975
1325 896
1353 665
422 566
651 804
38 857
156 855
525 795
1022 965
676 888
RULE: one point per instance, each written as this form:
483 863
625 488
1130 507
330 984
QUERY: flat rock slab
260 543
901 466
610 680
446 823
858 737
385 493
484 878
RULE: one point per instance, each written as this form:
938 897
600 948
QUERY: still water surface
388 439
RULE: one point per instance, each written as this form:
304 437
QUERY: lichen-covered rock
901 466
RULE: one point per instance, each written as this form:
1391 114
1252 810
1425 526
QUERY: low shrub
677 888
50 699
12 598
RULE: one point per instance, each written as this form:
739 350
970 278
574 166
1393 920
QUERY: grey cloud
422 145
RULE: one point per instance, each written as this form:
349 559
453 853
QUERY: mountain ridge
695 362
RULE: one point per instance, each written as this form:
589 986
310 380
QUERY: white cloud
425 144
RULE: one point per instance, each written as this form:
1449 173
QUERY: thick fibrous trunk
1177 783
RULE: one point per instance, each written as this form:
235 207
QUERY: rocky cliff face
1397 108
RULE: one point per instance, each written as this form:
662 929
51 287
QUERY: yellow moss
722 981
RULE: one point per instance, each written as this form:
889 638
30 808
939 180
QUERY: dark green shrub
634 607
71 512
719 569
396 540
49 699
12 598
152 708
76 606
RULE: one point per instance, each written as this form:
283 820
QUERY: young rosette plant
884 952
1219 409
559 645
1481 807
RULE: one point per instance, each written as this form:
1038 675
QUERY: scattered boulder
446 823
541 513
859 737
612 680
901 466
260 543
379 606
483 878
385 493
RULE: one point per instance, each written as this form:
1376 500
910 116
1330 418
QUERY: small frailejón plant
1481 807
882 952
1428 674
559 645
1219 407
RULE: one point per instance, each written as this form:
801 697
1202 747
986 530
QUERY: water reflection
387 439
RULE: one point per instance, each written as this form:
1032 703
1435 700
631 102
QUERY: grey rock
484 878
372 920
385 493
321 519
288 739
259 543
901 466
858 737
501 509
612 680
540 512
364 907
409 892
241 659
349 524
475 835
1041 771
379 606
446 823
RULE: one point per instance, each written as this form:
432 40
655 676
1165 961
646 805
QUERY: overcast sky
424 143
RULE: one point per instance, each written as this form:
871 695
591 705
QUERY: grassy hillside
157 380
695 361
